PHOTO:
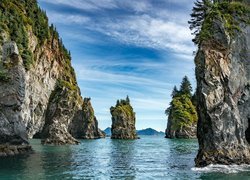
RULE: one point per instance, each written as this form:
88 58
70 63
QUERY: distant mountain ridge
146 132
150 132
107 131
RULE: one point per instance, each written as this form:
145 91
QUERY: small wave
223 168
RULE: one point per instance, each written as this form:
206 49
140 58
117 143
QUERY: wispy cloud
90 5
153 27
68 19
147 31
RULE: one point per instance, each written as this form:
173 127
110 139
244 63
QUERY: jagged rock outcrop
223 94
123 121
39 95
186 132
85 124
62 107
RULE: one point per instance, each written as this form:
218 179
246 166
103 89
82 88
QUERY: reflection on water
121 159
145 158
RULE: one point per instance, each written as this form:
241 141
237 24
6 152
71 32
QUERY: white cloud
90 5
97 75
68 19
154 28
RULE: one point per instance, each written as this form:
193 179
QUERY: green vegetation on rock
4 76
206 12
19 18
123 120
182 113
123 106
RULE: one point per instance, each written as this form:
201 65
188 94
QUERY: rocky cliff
223 86
123 121
39 95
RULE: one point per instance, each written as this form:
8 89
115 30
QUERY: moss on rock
123 120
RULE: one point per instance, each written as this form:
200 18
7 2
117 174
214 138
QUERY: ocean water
151 157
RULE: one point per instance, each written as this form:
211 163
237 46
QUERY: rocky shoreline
12 150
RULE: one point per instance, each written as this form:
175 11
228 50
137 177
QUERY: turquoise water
146 158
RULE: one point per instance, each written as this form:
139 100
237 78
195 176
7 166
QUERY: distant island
146 132
150 132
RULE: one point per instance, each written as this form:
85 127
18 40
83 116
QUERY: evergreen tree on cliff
186 87
199 12
182 115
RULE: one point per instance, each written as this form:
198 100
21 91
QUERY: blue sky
140 48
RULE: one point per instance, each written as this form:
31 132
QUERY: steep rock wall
223 89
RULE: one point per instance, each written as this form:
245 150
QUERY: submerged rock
11 150
223 91
123 121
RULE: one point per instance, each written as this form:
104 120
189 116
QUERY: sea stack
123 120
223 85
182 114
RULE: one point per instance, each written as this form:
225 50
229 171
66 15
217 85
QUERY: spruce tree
175 92
127 100
199 13
186 87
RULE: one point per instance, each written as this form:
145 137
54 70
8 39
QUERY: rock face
187 132
39 95
123 121
13 133
9 49
223 90
85 124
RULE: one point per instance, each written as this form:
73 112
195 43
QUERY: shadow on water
121 159
46 162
